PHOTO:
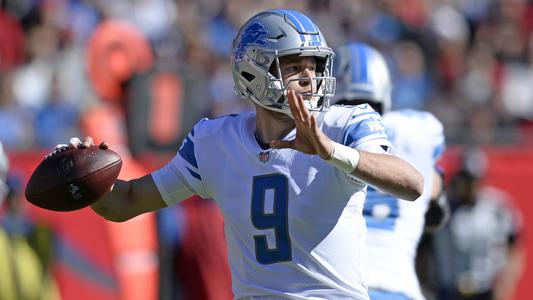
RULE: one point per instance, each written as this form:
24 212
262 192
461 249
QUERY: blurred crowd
470 62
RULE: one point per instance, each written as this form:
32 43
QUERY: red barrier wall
510 169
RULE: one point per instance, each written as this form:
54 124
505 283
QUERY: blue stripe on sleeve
187 152
369 112
439 150
363 128
194 174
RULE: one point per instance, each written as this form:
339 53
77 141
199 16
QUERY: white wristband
344 158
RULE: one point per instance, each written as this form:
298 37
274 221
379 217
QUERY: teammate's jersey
394 225
293 223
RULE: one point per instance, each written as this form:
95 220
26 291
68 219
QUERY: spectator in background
443 52
479 254
412 82
15 122
57 119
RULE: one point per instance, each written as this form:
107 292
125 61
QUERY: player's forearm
115 205
390 174
129 199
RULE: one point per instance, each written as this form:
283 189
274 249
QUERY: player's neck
271 125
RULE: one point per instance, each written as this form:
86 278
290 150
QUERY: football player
394 226
290 177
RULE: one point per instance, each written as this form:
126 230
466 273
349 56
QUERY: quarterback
290 177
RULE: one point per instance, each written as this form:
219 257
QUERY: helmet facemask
322 86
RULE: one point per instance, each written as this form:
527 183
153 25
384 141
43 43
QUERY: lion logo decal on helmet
254 34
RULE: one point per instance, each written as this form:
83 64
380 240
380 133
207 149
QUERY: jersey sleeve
439 140
365 131
181 177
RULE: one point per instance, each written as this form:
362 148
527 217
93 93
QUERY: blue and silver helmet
266 37
362 76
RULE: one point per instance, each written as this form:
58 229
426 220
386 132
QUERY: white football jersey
293 223
394 225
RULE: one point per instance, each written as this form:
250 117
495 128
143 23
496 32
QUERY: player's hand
87 142
309 138
75 142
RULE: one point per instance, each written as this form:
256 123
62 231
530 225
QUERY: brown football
73 179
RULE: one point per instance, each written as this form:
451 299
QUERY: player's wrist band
344 158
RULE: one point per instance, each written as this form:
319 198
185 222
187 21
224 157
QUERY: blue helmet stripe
298 22
307 26
291 18
307 29
354 70
314 37
301 21
360 91
363 66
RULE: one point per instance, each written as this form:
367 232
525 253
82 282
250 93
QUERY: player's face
296 71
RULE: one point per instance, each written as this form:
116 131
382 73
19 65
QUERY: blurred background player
480 253
394 226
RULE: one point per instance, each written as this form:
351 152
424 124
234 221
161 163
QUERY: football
73 179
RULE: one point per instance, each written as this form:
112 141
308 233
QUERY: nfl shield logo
264 156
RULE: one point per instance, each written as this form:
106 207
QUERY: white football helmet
266 37
363 76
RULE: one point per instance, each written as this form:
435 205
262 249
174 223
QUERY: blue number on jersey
277 220
380 210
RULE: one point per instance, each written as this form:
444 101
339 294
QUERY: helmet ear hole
248 76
